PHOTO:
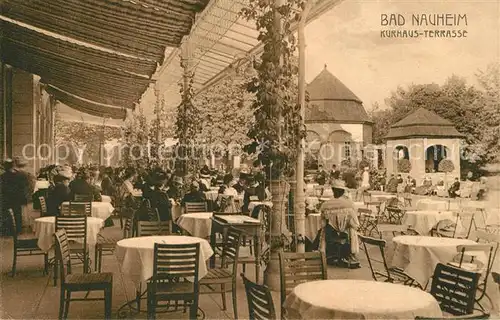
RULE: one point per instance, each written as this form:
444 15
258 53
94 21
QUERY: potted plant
446 166
404 166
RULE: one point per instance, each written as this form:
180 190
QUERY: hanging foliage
136 140
276 129
446 166
187 129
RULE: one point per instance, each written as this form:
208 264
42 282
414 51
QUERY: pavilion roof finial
325 66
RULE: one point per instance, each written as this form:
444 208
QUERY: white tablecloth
313 224
198 224
431 204
106 198
359 299
101 210
383 197
136 255
46 226
423 221
253 204
212 195
176 210
419 255
41 184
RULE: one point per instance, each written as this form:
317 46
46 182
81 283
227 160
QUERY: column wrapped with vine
136 139
186 131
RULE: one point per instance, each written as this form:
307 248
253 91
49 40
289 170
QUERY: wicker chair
79 282
260 301
169 281
225 276
297 268
393 275
25 245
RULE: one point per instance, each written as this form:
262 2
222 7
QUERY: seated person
392 184
410 185
175 188
254 190
226 188
482 189
453 191
194 195
59 194
339 232
82 186
241 185
204 181
321 176
426 188
108 186
158 198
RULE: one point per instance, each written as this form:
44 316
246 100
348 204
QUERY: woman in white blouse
127 187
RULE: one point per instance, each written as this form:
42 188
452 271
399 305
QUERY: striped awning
100 52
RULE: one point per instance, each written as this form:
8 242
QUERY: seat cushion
89 280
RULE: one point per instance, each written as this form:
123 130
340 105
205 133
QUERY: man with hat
254 190
60 193
194 195
205 179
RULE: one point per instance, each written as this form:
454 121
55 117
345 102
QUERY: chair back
454 289
260 301
14 226
75 226
74 208
297 268
83 197
231 249
367 197
469 253
154 228
191 207
43 206
127 228
175 262
63 253
395 214
376 258
396 229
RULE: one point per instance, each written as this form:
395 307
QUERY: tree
446 166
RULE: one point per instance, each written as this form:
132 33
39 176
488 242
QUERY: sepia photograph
250 159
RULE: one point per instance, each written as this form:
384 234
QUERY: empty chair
25 244
175 277
378 264
76 231
74 208
154 228
297 268
454 289
195 207
79 282
395 229
260 301
223 279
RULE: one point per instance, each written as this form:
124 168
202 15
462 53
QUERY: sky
348 40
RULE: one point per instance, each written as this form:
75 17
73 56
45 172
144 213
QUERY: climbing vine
276 129
186 131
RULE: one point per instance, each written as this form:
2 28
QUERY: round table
211 195
419 255
198 224
423 221
105 198
136 255
431 204
101 210
359 299
383 197
46 226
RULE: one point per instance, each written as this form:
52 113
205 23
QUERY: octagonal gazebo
425 139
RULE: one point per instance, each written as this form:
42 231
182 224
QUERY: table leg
257 256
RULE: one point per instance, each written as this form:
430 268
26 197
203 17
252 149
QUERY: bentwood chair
85 282
192 207
175 277
297 268
25 244
454 289
260 301
378 264
223 279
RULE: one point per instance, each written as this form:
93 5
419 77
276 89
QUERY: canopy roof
105 52
331 100
423 123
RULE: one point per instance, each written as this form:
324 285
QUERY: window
347 150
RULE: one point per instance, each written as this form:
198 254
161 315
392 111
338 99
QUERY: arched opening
400 152
313 144
341 143
433 156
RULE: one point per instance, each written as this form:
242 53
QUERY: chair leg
108 296
56 265
66 305
14 263
138 299
46 264
96 256
151 308
61 305
235 301
193 310
223 295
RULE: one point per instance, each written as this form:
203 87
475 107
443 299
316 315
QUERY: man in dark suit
453 190
195 195
58 195
81 186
